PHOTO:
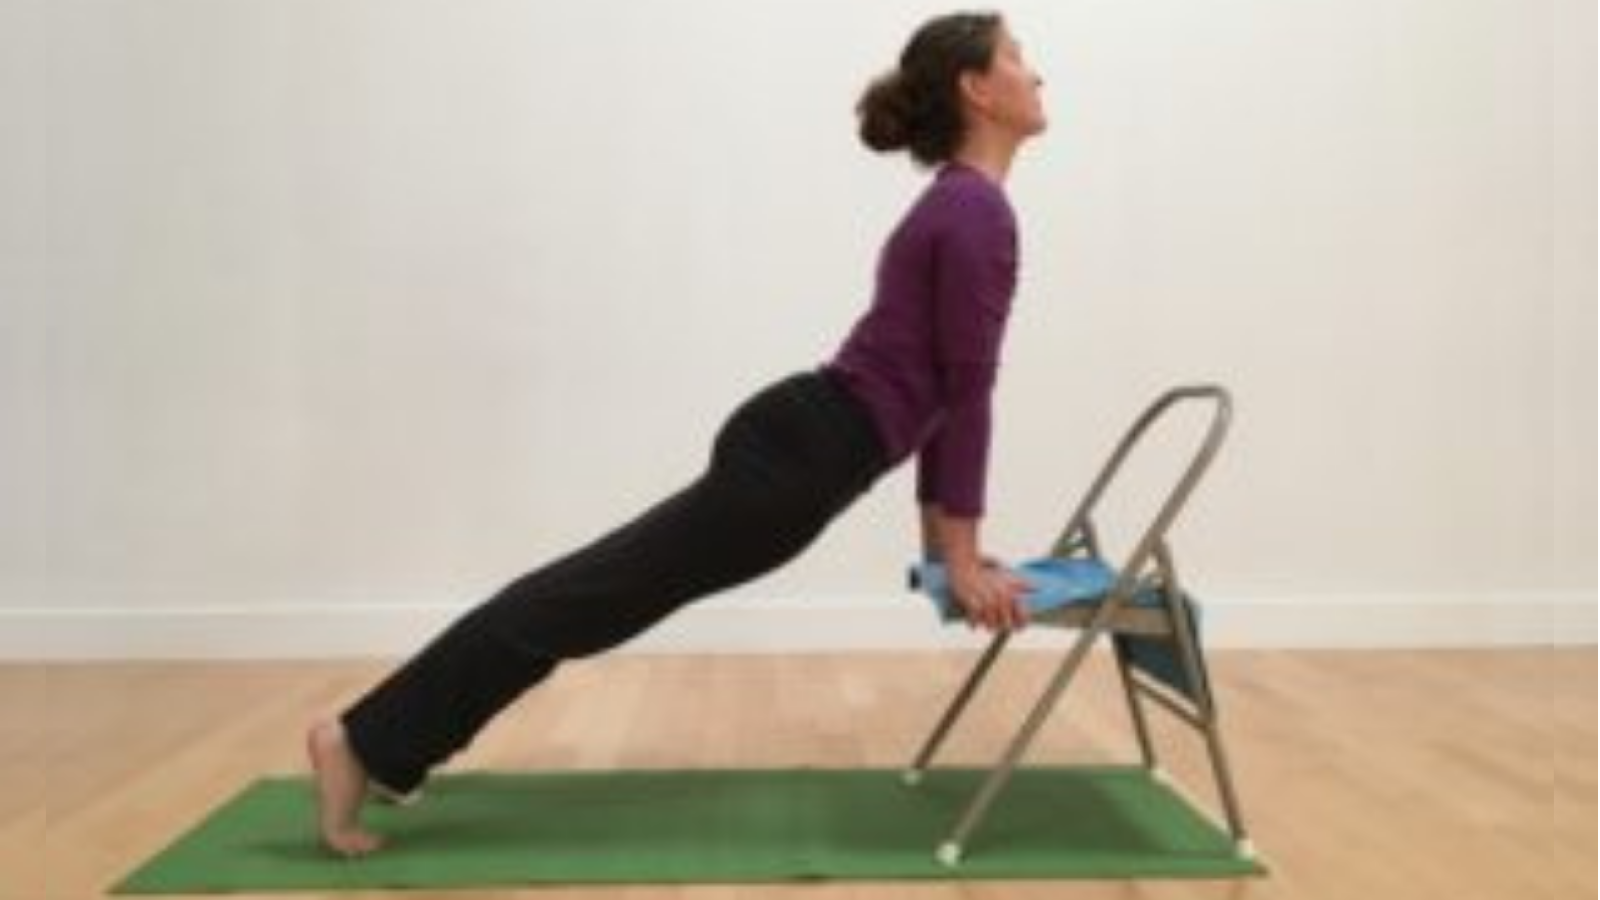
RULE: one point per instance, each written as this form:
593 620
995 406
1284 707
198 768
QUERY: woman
913 377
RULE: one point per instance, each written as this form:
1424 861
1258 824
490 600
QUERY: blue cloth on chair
1053 583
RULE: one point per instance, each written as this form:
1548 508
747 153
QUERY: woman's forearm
931 550
949 539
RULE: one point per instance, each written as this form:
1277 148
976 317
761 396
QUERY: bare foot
341 786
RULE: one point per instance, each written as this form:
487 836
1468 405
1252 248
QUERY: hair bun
884 111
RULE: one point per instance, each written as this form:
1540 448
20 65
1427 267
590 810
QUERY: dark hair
917 106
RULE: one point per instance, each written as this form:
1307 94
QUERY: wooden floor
1364 775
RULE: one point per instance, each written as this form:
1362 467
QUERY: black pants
785 463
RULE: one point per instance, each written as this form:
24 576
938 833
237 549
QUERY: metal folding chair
1150 618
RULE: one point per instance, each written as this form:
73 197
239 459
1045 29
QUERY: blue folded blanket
1052 583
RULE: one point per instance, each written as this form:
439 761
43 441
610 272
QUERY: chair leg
913 775
949 853
1141 724
1230 799
1196 671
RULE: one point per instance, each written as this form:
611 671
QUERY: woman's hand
988 592
991 595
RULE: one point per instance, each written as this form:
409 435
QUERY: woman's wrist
952 541
932 549
960 545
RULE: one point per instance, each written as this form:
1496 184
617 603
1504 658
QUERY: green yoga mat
474 830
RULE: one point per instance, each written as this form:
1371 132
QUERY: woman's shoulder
967 197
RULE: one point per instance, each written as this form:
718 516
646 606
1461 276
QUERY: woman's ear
975 91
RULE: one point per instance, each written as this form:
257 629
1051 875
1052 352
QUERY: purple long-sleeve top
923 358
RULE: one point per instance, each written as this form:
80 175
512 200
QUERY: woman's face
1007 94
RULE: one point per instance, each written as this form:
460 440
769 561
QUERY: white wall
319 321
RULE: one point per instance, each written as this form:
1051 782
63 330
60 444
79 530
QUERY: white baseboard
740 624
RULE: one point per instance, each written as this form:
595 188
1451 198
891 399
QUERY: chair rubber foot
911 777
949 854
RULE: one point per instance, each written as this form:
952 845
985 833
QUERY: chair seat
1067 593
1062 592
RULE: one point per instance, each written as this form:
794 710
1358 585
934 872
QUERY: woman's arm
973 281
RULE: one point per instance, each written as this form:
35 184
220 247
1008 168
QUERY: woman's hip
805 433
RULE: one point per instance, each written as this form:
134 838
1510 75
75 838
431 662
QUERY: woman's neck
989 153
